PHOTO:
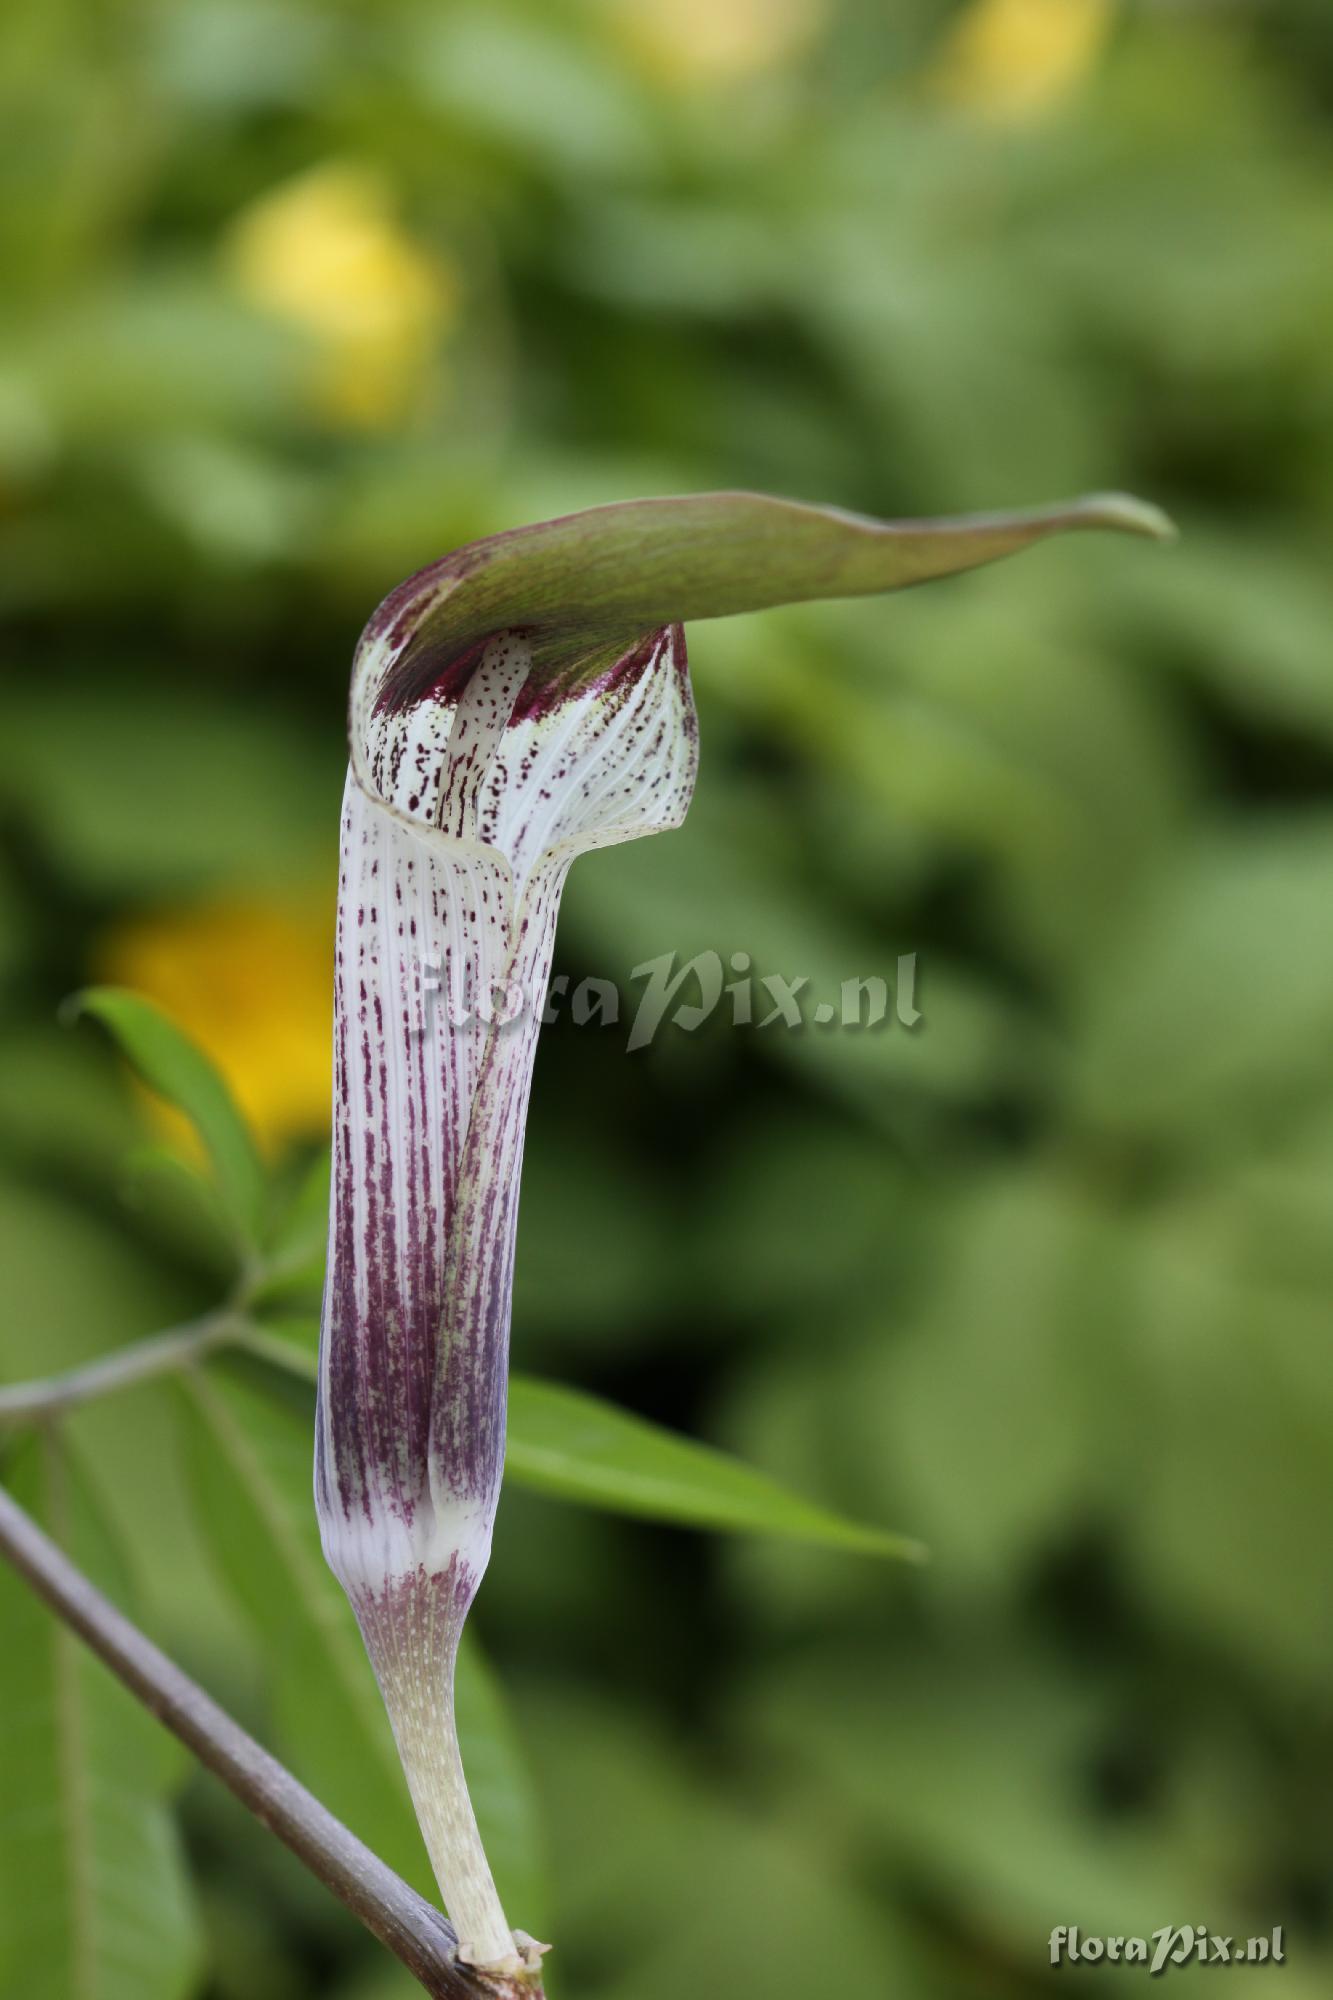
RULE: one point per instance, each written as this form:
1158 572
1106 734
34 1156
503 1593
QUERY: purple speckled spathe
462 815
463 810
513 705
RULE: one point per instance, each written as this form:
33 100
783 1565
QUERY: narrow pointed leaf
172 1065
577 1447
94 1902
573 1446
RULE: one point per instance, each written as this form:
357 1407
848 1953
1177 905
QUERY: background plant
1045 1281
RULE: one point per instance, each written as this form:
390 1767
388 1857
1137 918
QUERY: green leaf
294 1268
579 1448
249 1460
187 1203
94 1902
171 1064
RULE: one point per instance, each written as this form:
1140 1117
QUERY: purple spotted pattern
463 810
462 815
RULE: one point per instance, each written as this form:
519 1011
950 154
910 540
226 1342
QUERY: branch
159 1354
138 1363
411 1927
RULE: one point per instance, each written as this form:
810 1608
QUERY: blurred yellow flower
685 42
1012 60
250 981
327 253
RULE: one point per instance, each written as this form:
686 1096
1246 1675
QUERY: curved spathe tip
1126 512
587 588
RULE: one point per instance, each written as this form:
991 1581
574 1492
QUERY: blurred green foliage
298 297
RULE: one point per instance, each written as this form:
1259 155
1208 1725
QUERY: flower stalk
520 702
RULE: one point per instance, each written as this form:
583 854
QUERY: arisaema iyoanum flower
515 704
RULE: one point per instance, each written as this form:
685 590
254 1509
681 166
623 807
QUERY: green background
1043 1281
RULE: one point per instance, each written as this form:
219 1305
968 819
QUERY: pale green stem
161 1354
